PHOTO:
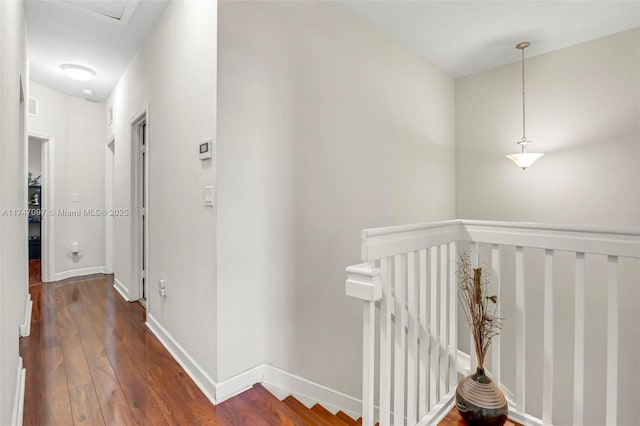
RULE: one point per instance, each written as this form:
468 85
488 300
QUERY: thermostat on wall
206 149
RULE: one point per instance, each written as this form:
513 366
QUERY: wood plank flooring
91 360
454 419
35 272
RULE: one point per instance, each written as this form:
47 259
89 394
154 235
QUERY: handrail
395 229
391 240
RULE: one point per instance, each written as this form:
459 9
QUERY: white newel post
363 282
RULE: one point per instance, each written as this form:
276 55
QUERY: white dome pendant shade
524 159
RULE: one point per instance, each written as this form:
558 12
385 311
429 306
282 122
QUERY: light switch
74 197
208 196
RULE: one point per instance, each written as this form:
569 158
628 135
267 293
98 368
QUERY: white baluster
424 335
442 346
612 340
400 341
434 364
453 318
412 357
385 343
547 375
520 330
578 364
495 343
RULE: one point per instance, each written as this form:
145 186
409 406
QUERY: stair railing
408 287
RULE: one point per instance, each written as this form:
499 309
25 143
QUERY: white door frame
109 204
140 118
48 227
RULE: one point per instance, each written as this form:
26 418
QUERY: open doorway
41 208
36 209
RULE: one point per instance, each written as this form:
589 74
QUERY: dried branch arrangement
479 309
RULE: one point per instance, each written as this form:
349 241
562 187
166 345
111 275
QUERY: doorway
140 202
36 209
41 208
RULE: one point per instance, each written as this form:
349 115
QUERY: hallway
90 359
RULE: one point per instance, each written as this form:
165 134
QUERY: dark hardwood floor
91 360
454 419
35 272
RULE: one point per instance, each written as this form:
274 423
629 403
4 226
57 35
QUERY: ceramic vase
480 401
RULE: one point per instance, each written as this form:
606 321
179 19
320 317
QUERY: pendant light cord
524 123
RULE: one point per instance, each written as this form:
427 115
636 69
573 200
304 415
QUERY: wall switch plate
74 197
208 196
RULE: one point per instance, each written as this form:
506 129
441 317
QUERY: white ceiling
102 35
466 37
459 37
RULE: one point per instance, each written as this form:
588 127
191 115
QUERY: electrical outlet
162 288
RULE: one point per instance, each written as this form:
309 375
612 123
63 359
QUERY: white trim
79 272
47 228
390 241
279 382
523 418
124 19
304 389
239 383
440 410
140 117
201 378
121 289
25 327
109 204
18 401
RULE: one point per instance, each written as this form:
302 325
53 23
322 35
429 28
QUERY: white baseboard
18 401
206 384
25 327
78 273
121 289
239 383
440 410
283 383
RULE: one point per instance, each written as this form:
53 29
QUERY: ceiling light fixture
87 92
524 159
78 72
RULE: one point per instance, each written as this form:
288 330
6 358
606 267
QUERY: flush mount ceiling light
78 72
524 159
87 92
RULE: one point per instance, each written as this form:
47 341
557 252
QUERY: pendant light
524 159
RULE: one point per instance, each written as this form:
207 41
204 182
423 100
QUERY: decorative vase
480 401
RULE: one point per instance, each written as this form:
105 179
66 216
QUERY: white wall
583 112
77 128
325 127
13 188
175 75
